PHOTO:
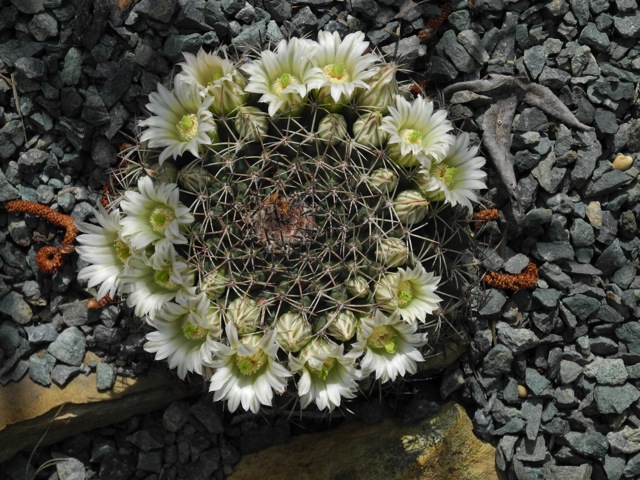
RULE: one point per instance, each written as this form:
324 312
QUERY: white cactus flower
151 282
106 250
417 129
185 333
458 176
410 293
247 371
389 346
327 374
154 213
214 77
282 78
181 121
343 65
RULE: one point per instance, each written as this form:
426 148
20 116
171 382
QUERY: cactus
301 205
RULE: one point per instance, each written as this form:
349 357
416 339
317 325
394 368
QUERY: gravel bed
552 375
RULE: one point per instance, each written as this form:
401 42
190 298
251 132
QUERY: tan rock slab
439 448
28 409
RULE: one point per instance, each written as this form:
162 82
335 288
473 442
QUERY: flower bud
383 88
410 207
392 252
245 314
214 320
358 286
167 173
366 130
251 123
386 291
326 102
332 128
216 78
214 136
214 283
395 154
342 326
422 181
383 180
317 346
228 94
193 178
294 331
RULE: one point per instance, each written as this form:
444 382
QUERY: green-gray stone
615 399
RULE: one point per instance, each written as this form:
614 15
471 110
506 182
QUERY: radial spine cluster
281 222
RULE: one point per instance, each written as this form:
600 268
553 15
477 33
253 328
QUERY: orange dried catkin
515 282
486 215
434 24
48 259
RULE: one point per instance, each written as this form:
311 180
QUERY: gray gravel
83 71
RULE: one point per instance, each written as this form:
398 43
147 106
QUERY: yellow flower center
405 293
385 337
323 372
412 136
335 73
163 278
252 363
123 252
444 173
215 76
193 332
188 127
161 217
283 82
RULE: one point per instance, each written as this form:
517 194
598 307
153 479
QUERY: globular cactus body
303 211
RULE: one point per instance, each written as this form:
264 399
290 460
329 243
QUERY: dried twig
12 81
497 139
498 119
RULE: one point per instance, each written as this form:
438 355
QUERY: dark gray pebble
175 416
63 374
497 361
518 340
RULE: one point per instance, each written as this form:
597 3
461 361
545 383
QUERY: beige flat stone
439 448
28 409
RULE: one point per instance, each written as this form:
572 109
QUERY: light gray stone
69 347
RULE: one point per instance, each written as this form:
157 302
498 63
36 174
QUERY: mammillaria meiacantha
278 224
